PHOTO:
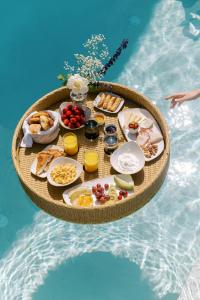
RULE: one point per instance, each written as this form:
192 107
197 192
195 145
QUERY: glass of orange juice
70 143
91 161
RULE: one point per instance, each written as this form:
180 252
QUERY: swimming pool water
150 254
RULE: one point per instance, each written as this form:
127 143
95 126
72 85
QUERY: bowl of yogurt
128 159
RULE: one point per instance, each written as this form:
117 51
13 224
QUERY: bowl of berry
73 117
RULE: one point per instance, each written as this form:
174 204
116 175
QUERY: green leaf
61 77
64 82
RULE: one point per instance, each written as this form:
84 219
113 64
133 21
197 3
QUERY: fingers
174 96
174 102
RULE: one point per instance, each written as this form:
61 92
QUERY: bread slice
44 121
43 158
35 128
115 104
41 113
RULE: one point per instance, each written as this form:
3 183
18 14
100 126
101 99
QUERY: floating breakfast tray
49 198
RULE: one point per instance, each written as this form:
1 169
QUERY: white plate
34 164
132 148
132 137
96 101
61 161
87 112
91 183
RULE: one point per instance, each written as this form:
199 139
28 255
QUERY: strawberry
71 125
73 120
66 122
78 118
68 113
63 117
78 124
82 120
69 106
78 113
64 110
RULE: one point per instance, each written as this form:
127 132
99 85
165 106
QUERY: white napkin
43 137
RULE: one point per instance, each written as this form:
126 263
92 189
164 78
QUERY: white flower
77 84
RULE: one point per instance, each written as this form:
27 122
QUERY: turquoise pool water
150 254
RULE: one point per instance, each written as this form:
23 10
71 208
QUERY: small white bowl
128 148
87 112
63 161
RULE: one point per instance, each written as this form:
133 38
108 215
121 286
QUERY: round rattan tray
49 198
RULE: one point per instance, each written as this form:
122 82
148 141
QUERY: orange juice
91 161
70 143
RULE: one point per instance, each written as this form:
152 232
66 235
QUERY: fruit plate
86 110
97 99
89 184
34 164
132 137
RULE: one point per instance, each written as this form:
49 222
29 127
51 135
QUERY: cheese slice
155 136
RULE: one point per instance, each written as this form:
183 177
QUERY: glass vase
78 98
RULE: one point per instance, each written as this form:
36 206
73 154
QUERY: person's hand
179 98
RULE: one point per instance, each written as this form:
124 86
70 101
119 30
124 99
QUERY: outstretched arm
179 98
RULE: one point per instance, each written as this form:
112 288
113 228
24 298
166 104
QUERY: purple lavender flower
112 60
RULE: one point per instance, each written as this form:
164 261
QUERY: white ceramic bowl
131 148
87 112
62 161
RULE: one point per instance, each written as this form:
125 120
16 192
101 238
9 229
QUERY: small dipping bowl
99 118
110 129
110 144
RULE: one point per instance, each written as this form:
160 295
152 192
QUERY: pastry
106 101
34 120
44 121
115 104
55 154
35 128
43 158
41 113
102 98
110 104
